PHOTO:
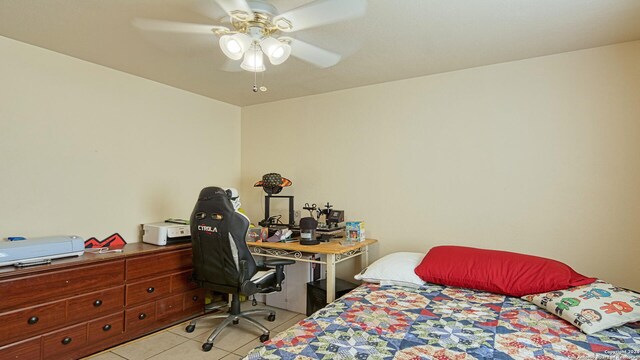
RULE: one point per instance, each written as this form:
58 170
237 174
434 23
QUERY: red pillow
500 272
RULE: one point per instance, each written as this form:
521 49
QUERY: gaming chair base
233 317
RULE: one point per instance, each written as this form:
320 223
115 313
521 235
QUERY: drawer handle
33 320
106 327
195 298
142 316
66 341
150 290
97 303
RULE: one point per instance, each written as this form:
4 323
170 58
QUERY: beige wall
537 156
91 151
540 156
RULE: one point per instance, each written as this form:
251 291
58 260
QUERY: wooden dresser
78 306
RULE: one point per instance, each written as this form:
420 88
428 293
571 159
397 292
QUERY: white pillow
394 269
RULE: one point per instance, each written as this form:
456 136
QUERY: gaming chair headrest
211 192
213 199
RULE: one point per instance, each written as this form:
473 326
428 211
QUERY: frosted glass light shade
253 60
234 46
277 51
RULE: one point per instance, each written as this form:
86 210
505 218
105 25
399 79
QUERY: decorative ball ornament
272 183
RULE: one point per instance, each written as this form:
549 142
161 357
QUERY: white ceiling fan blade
312 54
320 12
210 9
238 9
173 26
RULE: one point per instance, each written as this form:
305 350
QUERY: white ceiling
396 39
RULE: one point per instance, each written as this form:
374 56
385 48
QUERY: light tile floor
174 343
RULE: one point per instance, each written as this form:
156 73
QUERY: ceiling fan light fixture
253 60
277 51
234 46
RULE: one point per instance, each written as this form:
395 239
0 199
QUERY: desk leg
365 257
331 278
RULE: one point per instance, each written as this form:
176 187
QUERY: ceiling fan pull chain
255 75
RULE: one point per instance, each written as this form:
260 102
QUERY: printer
164 233
41 250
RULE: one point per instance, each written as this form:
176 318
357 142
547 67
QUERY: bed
440 322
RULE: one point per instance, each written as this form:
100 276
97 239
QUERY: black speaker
317 293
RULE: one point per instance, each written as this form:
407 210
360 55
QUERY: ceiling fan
256 30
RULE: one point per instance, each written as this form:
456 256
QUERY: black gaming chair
222 261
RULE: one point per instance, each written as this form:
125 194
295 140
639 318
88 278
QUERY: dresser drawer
181 282
140 317
147 290
144 266
25 350
92 305
106 327
62 342
58 284
193 300
167 307
31 321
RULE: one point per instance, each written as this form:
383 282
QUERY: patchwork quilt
439 322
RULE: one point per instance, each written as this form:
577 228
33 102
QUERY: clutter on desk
113 241
281 235
40 250
257 234
323 223
165 233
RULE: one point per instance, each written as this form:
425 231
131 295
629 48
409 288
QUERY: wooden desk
331 253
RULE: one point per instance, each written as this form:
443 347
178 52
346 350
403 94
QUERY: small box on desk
354 231
317 293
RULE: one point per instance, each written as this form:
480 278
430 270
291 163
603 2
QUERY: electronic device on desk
334 219
166 233
42 250
333 226
308 227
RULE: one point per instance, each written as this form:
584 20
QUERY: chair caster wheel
264 337
190 328
235 322
206 346
271 317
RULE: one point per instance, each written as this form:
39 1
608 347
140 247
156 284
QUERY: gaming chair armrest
279 265
276 262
